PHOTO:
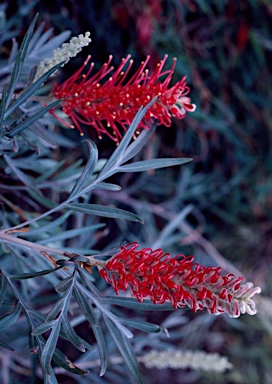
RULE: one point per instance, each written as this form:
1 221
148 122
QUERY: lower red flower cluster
179 280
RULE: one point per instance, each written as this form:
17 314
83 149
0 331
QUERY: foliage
68 205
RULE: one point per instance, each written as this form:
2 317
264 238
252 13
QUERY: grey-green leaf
70 334
24 276
3 104
30 90
70 233
146 305
91 287
50 378
10 318
44 327
84 306
65 284
138 144
88 170
88 312
59 306
125 349
104 211
116 157
40 130
3 287
31 119
48 227
142 325
61 360
145 165
20 59
49 348
108 186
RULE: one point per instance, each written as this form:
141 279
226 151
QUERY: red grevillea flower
116 100
156 275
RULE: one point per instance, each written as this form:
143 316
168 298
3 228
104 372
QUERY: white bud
64 53
177 359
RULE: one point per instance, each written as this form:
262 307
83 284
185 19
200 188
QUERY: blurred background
219 207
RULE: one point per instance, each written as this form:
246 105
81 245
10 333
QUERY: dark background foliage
225 49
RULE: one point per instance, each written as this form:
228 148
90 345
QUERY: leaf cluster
57 193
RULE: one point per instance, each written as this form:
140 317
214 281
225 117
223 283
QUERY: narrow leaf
30 90
3 287
142 325
166 235
38 196
70 334
89 313
49 348
125 350
31 119
59 306
51 377
20 59
48 227
44 327
70 233
89 284
104 211
38 36
108 186
65 284
146 305
41 131
138 144
88 170
145 165
25 179
24 276
84 306
97 302
62 361
47 47
10 318
116 157
3 104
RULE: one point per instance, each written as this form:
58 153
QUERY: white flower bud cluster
176 359
243 298
64 53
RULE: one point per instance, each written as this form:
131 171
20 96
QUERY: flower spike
117 100
155 275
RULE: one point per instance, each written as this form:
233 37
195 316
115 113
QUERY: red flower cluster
154 274
117 100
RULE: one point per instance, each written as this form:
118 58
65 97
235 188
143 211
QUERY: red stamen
180 281
87 101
